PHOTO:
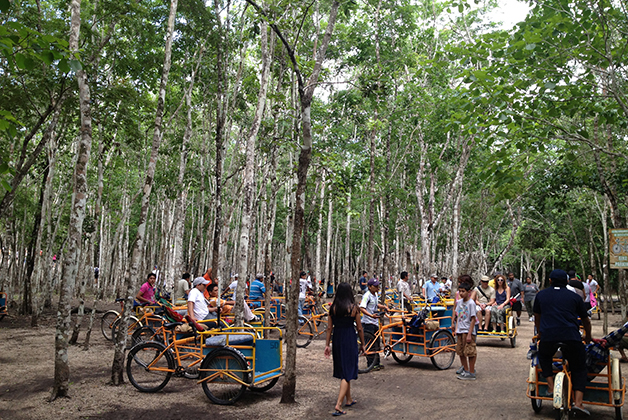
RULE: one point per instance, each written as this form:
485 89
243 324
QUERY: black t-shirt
576 284
559 309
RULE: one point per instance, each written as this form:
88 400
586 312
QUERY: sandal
581 410
338 413
354 402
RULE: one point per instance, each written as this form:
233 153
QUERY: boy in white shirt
465 332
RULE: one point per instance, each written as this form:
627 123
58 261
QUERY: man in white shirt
405 295
198 310
304 286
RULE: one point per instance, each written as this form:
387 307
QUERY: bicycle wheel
401 358
304 332
134 324
263 388
144 334
149 367
366 362
513 341
536 403
106 324
443 359
228 373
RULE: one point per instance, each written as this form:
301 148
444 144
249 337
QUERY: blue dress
345 348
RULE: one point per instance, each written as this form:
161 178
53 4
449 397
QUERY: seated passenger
198 310
257 291
502 302
485 300
183 289
147 291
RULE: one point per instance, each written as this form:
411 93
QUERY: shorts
516 307
463 348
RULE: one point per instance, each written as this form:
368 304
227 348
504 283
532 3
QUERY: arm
328 336
471 328
537 323
358 325
140 298
191 311
586 323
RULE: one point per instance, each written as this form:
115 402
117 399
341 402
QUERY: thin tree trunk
131 275
75 228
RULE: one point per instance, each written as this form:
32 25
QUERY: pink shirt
147 292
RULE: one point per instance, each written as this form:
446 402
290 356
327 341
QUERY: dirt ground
413 391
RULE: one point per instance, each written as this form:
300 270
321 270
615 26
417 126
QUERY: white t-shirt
200 305
369 301
587 292
593 285
303 286
182 287
233 286
464 312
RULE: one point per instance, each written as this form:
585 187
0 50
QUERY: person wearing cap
304 285
556 313
369 306
484 299
431 288
257 290
198 310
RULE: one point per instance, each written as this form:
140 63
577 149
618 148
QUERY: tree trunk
75 228
132 273
249 173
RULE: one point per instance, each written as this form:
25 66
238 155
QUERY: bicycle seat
221 340
172 325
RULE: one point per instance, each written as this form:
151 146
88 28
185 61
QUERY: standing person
593 288
147 291
405 295
368 306
556 312
344 320
363 281
96 272
530 289
502 299
431 288
484 301
183 288
304 286
465 330
575 285
516 290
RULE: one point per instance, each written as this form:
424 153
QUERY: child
465 332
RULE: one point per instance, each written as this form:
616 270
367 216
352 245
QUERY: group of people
557 312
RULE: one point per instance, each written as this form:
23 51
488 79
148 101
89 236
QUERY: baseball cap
485 278
200 280
559 275
259 276
434 276
373 282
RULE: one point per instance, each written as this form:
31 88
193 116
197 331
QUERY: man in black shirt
556 312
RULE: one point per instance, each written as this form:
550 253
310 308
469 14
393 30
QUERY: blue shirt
431 289
559 308
257 290
363 283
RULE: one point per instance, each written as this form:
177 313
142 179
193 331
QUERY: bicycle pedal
387 352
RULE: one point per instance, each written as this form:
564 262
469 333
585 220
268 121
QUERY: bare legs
344 394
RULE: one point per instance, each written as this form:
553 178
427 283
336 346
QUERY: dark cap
560 276
373 282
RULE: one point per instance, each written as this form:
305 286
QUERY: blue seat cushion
234 339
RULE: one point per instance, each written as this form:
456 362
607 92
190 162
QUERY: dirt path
413 391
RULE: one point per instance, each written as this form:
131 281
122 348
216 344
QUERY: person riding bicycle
257 290
556 312
198 309
368 306
431 288
405 295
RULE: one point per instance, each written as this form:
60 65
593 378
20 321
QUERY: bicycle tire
366 362
106 324
444 359
304 332
134 324
224 389
144 334
149 379
536 403
401 358
267 385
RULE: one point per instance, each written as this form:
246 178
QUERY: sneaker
518 321
466 376
378 367
531 319
460 370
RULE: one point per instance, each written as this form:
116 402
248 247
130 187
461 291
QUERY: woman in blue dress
344 320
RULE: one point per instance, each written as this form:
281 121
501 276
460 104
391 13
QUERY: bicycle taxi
425 333
510 332
3 305
225 361
605 384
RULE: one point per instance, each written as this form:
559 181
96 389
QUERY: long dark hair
343 302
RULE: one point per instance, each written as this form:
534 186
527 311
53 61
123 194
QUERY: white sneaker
531 319
466 376
460 370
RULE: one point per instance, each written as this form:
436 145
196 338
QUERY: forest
332 136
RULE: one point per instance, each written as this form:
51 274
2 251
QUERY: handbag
514 299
